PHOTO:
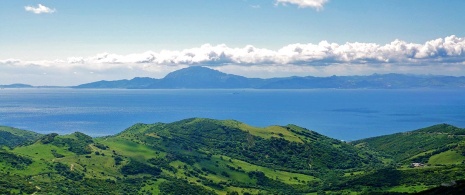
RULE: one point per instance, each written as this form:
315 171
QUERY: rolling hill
438 144
12 137
206 156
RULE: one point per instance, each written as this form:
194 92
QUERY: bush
135 167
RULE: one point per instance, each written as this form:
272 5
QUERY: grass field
267 132
286 177
447 157
408 189
152 187
131 149
42 157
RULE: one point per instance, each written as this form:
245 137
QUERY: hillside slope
422 145
206 156
12 137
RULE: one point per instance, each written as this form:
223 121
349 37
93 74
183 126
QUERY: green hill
281 147
205 156
438 144
12 137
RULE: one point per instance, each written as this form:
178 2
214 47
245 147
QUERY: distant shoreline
206 78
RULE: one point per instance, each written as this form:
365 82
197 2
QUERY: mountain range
196 77
207 156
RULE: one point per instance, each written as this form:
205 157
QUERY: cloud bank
450 49
40 9
317 4
439 56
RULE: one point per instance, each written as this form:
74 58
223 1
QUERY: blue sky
70 42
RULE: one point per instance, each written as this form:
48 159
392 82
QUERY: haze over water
341 114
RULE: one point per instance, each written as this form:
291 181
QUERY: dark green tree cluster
135 167
100 146
56 154
162 163
92 186
78 144
49 138
13 160
183 187
456 187
12 137
11 183
11 140
270 184
65 171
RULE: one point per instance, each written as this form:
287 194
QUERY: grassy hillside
12 137
205 156
287 148
438 144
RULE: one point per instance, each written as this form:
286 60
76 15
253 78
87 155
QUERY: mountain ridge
196 77
199 77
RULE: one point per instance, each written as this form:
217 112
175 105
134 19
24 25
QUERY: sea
344 114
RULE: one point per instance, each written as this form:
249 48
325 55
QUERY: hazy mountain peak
194 72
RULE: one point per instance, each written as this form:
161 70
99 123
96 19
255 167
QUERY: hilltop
206 156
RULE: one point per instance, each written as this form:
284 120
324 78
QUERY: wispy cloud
317 4
40 9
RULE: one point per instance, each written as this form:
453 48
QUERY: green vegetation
204 156
421 144
134 168
15 161
12 137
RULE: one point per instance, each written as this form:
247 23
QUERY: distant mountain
20 85
135 83
197 77
193 78
17 85
201 77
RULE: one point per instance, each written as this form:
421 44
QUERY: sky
53 42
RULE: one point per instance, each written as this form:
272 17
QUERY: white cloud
448 50
439 56
40 9
317 4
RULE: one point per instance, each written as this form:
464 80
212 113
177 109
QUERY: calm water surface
342 114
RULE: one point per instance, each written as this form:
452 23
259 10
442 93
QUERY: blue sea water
342 114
